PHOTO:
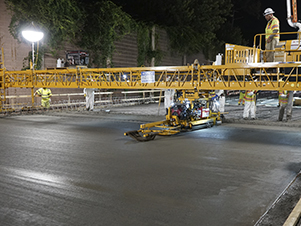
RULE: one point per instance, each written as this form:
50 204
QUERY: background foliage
192 25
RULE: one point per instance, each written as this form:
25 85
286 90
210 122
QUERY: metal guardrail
66 100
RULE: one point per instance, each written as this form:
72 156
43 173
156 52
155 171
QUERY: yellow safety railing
291 46
236 54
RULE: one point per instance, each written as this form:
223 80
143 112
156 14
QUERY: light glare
33 36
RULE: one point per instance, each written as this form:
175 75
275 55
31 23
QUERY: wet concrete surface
279 211
79 169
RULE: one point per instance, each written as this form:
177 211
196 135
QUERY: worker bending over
45 94
250 104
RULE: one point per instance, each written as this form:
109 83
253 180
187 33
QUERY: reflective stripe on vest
45 94
283 100
249 98
272 25
212 94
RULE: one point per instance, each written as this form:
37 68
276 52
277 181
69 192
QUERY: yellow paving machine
190 109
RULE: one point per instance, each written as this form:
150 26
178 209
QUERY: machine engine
190 111
181 110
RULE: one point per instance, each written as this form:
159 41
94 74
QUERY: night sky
279 6
252 26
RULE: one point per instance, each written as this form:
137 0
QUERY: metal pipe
289 17
295 16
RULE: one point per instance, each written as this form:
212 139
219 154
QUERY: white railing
151 95
101 98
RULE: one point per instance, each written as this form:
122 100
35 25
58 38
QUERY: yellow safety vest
282 99
272 25
45 93
212 94
241 95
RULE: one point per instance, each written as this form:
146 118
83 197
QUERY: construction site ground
266 114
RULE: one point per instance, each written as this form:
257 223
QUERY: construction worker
213 101
241 99
290 103
168 98
250 104
222 101
212 94
89 94
271 38
278 105
45 93
286 103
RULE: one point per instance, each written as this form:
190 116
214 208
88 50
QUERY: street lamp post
32 36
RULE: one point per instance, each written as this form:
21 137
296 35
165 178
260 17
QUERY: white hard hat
196 61
268 11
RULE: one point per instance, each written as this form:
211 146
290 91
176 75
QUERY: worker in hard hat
195 64
45 94
89 94
271 37
250 104
286 104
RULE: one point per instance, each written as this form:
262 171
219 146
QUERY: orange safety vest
248 97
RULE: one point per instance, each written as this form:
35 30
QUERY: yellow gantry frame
239 76
243 69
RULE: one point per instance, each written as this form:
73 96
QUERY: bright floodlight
33 36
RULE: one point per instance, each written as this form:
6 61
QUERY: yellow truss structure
244 69
238 76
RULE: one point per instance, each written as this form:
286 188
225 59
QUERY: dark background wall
125 55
